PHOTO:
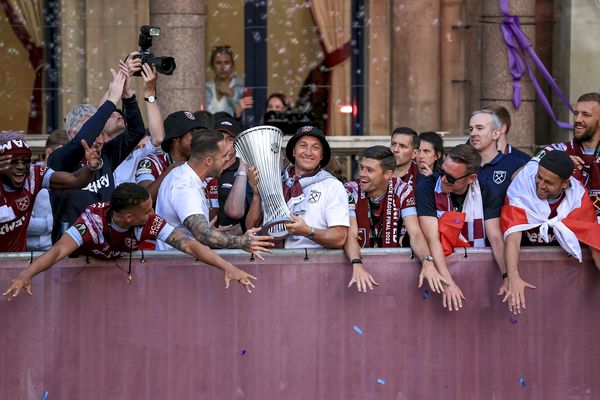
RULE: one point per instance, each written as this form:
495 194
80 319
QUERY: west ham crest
314 196
499 177
22 203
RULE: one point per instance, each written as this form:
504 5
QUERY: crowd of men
107 174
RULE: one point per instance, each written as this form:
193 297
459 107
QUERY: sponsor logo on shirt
98 184
9 227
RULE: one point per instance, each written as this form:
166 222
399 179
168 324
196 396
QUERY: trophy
260 147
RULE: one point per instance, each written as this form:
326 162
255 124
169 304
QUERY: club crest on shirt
499 177
314 196
22 203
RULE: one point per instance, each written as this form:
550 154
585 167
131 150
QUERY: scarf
387 226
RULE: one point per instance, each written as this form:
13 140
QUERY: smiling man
21 183
584 149
458 209
546 205
316 199
381 209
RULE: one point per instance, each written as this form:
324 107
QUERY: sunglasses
452 180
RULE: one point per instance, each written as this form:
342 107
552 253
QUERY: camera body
164 65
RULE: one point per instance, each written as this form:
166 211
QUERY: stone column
496 80
416 64
182 24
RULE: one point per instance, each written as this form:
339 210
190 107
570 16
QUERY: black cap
558 162
310 131
178 124
228 125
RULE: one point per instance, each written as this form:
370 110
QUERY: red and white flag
574 222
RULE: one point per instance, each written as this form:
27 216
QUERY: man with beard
21 183
584 149
105 230
183 202
380 207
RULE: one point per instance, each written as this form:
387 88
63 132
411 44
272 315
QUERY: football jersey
16 207
103 238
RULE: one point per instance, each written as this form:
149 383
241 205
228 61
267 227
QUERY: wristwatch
150 99
428 258
311 233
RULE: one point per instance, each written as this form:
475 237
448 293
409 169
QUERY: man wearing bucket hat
316 199
151 170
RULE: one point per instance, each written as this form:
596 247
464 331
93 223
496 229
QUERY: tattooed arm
206 234
182 242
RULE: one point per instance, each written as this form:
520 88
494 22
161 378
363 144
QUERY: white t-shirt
125 172
326 206
181 194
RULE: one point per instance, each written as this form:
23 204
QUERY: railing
175 333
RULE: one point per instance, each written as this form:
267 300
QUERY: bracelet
98 167
505 275
356 261
240 173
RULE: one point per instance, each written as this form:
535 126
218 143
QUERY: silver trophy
260 147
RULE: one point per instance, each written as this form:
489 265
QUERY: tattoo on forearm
178 240
203 232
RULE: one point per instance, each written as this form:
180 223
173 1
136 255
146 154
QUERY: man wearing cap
550 206
584 149
68 205
152 169
457 209
316 199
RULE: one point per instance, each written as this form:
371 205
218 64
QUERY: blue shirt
499 172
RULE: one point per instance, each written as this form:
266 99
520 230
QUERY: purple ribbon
518 47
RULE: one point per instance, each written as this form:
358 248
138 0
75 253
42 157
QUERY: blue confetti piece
243 352
45 395
426 294
446 386
522 381
358 330
380 381
513 320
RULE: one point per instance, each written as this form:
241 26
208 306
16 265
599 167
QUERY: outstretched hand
92 154
16 285
244 278
256 244
115 90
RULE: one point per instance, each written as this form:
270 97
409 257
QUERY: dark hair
502 114
221 50
128 195
438 145
280 96
206 118
593 96
205 142
383 154
404 130
466 154
57 137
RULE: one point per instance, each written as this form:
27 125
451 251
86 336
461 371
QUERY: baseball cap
228 125
178 124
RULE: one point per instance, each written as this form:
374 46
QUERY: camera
164 65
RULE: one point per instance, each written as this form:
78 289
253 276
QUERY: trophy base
276 227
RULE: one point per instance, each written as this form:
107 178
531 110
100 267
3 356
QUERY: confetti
513 320
243 352
45 395
380 381
426 294
358 330
522 381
